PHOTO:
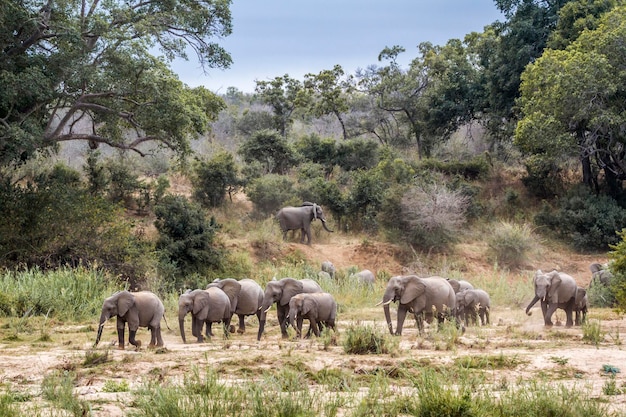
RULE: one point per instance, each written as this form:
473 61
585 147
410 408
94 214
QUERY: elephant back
149 307
439 293
219 305
309 286
250 297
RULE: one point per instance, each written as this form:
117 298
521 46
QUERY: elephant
421 296
280 292
555 290
138 309
294 218
460 285
320 308
206 307
580 306
600 274
246 297
472 303
329 268
365 277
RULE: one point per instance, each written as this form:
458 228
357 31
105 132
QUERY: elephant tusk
384 303
268 309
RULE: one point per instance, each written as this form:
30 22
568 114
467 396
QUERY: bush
509 244
55 221
584 220
214 179
617 267
357 154
363 339
432 215
269 193
186 239
271 150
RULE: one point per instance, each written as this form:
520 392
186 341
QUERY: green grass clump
363 339
58 388
592 332
489 361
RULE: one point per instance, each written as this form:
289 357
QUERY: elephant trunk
181 325
388 317
292 319
532 303
103 320
326 227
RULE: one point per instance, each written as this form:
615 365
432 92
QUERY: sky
272 38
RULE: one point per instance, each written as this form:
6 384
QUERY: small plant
94 358
363 339
559 360
610 387
592 332
510 244
115 386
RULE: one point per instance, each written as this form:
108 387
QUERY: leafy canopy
85 70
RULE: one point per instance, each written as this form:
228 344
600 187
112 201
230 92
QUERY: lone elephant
421 296
246 297
319 308
206 307
138 309
472 303
555 290
300 218
280 292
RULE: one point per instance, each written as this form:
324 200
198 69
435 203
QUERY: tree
214 179
572 104
83 70
271 150
330 94
504 50
283 94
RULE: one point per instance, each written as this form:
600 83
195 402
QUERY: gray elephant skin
138 309
329 268
206 307
422 296
554 290
460 285
471 304
246 297
365 277
319 308
300 218
580 306
280 292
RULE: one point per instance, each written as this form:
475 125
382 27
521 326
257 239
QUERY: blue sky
275 37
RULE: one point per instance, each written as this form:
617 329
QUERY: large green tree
86 70
572 103
284 95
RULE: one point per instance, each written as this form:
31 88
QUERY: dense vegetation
398 153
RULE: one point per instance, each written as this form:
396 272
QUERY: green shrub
269 193
510 244
363 339
271 150
213 180
186 239
617 287
584 220
470 170
357 154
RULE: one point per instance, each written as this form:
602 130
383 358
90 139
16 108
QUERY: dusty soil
558 354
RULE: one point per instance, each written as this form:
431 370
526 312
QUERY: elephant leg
242 324
153 341
209 329
569 322
547 319
194 326
132 340
282 321
401 316
120 334
159 337
315 326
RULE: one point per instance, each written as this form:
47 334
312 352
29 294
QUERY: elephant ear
555 282
413 288
455 284
580 294
231 287
291 287
201 300
308 303
125 301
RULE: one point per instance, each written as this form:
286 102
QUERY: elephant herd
426 298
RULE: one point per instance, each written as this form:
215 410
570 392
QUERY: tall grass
66 293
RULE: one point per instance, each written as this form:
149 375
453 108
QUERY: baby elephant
320 308
580 306
473 302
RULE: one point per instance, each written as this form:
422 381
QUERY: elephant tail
166 324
